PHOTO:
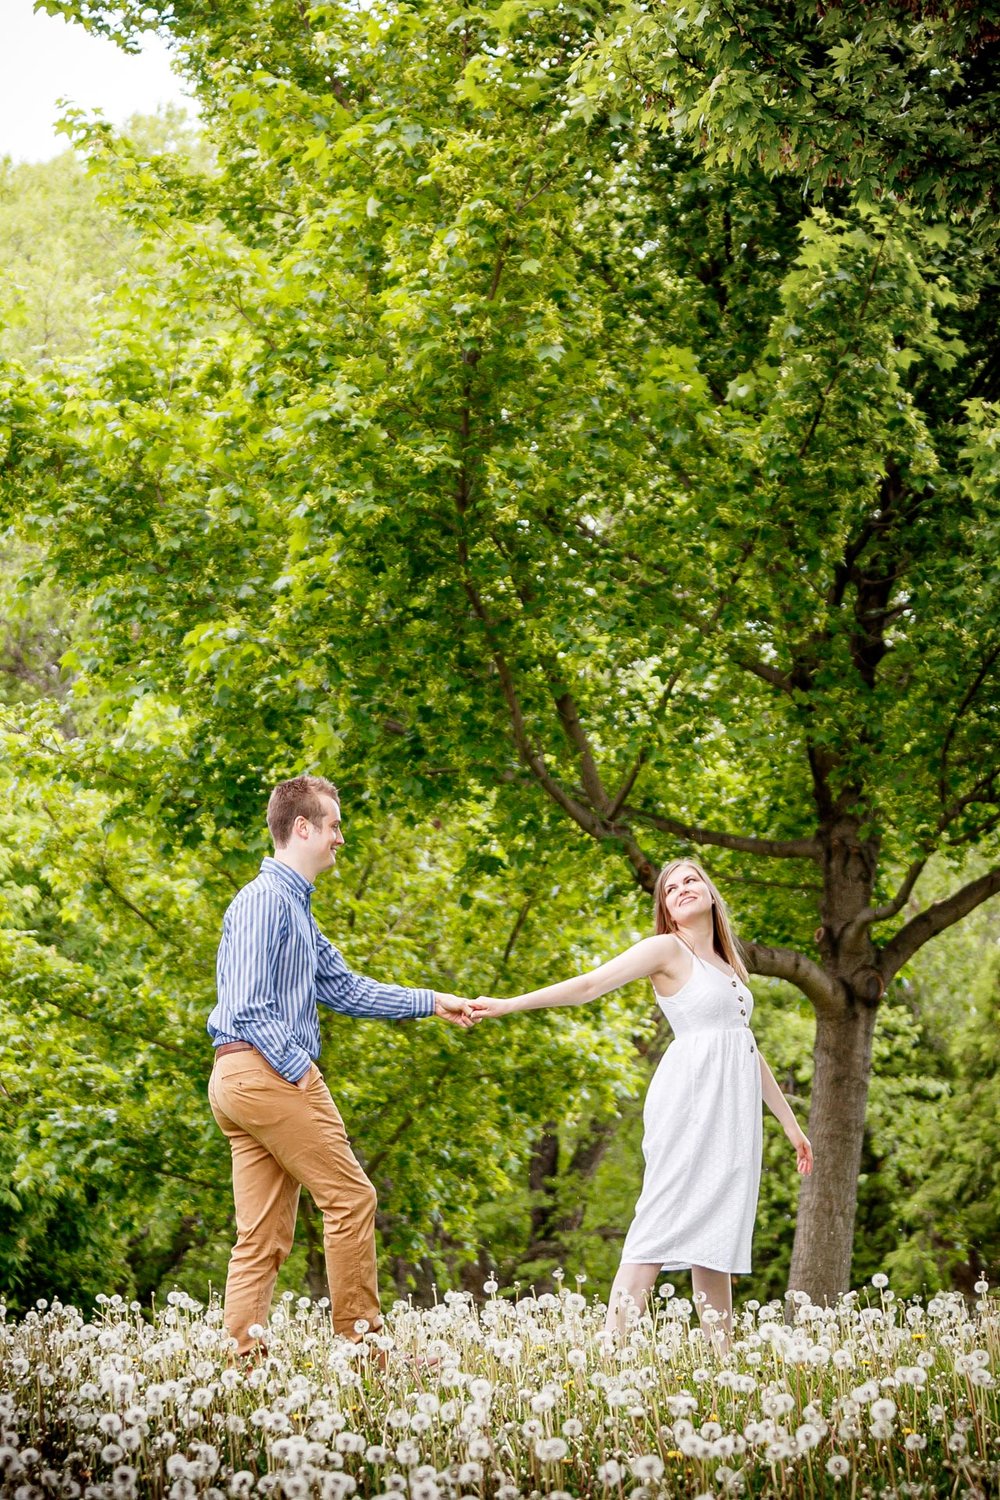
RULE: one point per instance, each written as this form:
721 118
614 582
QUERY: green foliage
391 381
57 263
62 252
888 100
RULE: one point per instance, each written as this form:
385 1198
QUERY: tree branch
201 1182
899 900
985 784
765 671
105 880
773 848
976 832
532 758
967 699
634 771
852 349
772 675
937 918
569 718
795 968
99 1021
514 934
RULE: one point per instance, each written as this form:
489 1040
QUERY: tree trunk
151 1268
543 1171
821 1257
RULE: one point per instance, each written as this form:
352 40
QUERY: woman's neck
699 934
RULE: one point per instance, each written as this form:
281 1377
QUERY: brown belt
233 1047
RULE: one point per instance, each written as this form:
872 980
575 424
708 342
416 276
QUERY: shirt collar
296 883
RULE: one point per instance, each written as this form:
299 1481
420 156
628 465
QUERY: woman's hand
803 1151
486 1008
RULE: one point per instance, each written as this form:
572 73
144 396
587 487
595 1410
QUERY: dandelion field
509 1399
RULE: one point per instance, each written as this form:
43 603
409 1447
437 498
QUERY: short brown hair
298 798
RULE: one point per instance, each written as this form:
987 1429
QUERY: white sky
43 59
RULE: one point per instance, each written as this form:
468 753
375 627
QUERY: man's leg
266 1200
301 1129
322 1160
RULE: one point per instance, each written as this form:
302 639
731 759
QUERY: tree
484 440
895 101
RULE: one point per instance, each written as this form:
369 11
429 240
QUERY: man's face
327 838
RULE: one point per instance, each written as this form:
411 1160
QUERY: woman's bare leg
713 1292
633 1283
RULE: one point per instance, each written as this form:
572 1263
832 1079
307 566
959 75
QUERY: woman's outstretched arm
783 1113
663 954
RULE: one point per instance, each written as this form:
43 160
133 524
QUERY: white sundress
703 1132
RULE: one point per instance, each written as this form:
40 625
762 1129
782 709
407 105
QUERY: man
266 1093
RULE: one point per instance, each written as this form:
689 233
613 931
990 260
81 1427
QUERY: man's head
304 818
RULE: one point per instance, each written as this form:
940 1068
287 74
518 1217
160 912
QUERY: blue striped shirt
275 965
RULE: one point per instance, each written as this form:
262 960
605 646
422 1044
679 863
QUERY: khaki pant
282 1136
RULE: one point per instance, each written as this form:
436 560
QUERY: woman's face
686 894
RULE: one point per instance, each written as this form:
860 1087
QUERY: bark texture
824 1234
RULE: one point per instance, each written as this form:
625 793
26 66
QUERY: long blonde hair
724 940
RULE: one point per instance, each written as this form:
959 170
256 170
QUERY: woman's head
686 893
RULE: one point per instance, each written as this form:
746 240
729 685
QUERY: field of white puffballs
508 1399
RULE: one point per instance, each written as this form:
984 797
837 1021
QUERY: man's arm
249 1007
339 988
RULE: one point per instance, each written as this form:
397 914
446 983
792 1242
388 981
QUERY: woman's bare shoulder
667 952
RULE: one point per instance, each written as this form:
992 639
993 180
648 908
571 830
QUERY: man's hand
486 1008
453 1008
303 1082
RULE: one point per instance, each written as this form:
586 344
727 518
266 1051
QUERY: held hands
453 1008
487 1008
466 1013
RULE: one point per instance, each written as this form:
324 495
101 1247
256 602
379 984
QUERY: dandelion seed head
647 1466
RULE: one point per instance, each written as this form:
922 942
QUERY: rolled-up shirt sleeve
247 981
339 988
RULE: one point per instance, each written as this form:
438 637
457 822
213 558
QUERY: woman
702 1117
